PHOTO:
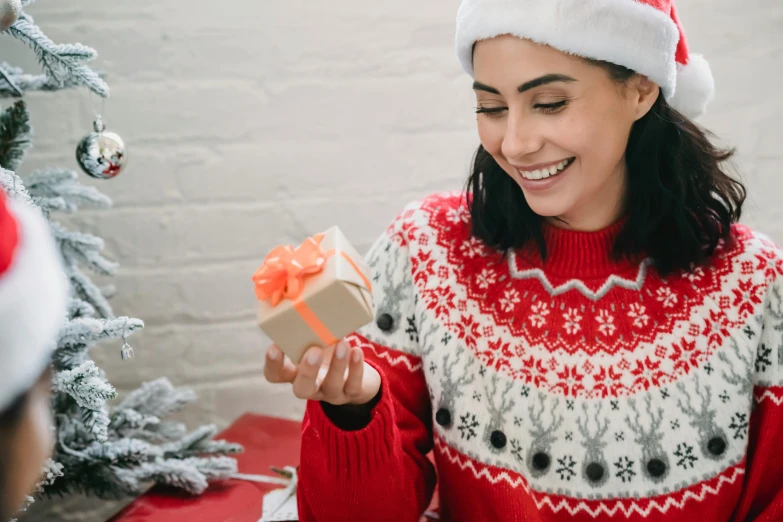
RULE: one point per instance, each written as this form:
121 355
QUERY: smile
546 172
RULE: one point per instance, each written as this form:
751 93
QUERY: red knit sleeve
762 495
380 472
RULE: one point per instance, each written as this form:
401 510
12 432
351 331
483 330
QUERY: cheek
31 444
491 134
579 134
598 140
41 427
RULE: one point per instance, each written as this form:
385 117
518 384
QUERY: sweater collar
580 255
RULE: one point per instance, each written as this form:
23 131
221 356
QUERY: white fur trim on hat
33 304
625 32
695 87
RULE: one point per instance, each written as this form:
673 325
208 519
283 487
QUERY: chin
546 207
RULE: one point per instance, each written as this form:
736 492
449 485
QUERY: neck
580 254
593 221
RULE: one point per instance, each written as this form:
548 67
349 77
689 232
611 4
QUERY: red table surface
268 441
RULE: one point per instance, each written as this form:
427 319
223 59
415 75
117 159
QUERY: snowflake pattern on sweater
578 386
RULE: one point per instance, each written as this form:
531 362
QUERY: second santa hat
33 297
643 35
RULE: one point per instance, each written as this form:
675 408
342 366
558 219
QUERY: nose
521 138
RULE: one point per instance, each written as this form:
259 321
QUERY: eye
549 108
492 112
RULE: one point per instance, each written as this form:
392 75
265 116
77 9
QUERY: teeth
545 173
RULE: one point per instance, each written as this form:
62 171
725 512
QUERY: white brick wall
263 123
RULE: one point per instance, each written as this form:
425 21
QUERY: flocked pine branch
60 190
14 82
85 385
50 472
199 442
15 135
189 474
158 398
104 451
60 62
14 186
84 249
79 335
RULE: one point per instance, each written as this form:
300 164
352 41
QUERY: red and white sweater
574 389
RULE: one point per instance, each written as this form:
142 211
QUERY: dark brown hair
680 201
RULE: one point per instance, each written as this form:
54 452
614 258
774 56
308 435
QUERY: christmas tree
109 452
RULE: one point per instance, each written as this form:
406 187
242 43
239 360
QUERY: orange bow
284 270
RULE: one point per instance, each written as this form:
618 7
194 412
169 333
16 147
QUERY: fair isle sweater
576 388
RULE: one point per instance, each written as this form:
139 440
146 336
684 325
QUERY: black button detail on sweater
385 322
716 446
541 461
595 471
656 468
498 439
443 417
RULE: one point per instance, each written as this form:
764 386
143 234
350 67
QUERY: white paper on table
287 510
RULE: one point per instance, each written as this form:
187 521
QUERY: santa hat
643 35
33 297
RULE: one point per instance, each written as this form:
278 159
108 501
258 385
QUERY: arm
762 496
370 463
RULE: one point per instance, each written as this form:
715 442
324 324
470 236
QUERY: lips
545 171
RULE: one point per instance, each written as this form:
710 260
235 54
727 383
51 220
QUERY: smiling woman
589 145
586 333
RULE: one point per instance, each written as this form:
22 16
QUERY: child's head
33 304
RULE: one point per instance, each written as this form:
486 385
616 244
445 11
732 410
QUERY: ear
644 92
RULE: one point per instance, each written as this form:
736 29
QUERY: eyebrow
532 84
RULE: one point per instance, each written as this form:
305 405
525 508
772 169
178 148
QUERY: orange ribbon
284 269
283 273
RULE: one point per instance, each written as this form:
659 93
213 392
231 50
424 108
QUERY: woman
587 333
33 304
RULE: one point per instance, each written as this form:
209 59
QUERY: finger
334 381
277 367
325 363
305 385
353 384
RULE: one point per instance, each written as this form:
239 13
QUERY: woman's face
30 442
559 126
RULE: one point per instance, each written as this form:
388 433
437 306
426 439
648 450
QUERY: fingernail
273 353
341 351
313 357
357 355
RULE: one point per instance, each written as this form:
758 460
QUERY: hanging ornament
101 154
9 13
126 352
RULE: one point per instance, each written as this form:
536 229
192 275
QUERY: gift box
313 295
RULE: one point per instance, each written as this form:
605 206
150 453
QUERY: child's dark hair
680 202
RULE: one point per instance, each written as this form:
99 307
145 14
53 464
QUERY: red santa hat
33 297
643 35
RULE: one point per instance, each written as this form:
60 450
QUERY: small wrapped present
313 295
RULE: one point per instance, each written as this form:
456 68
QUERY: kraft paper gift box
313 295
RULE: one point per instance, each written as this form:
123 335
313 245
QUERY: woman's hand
337 375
